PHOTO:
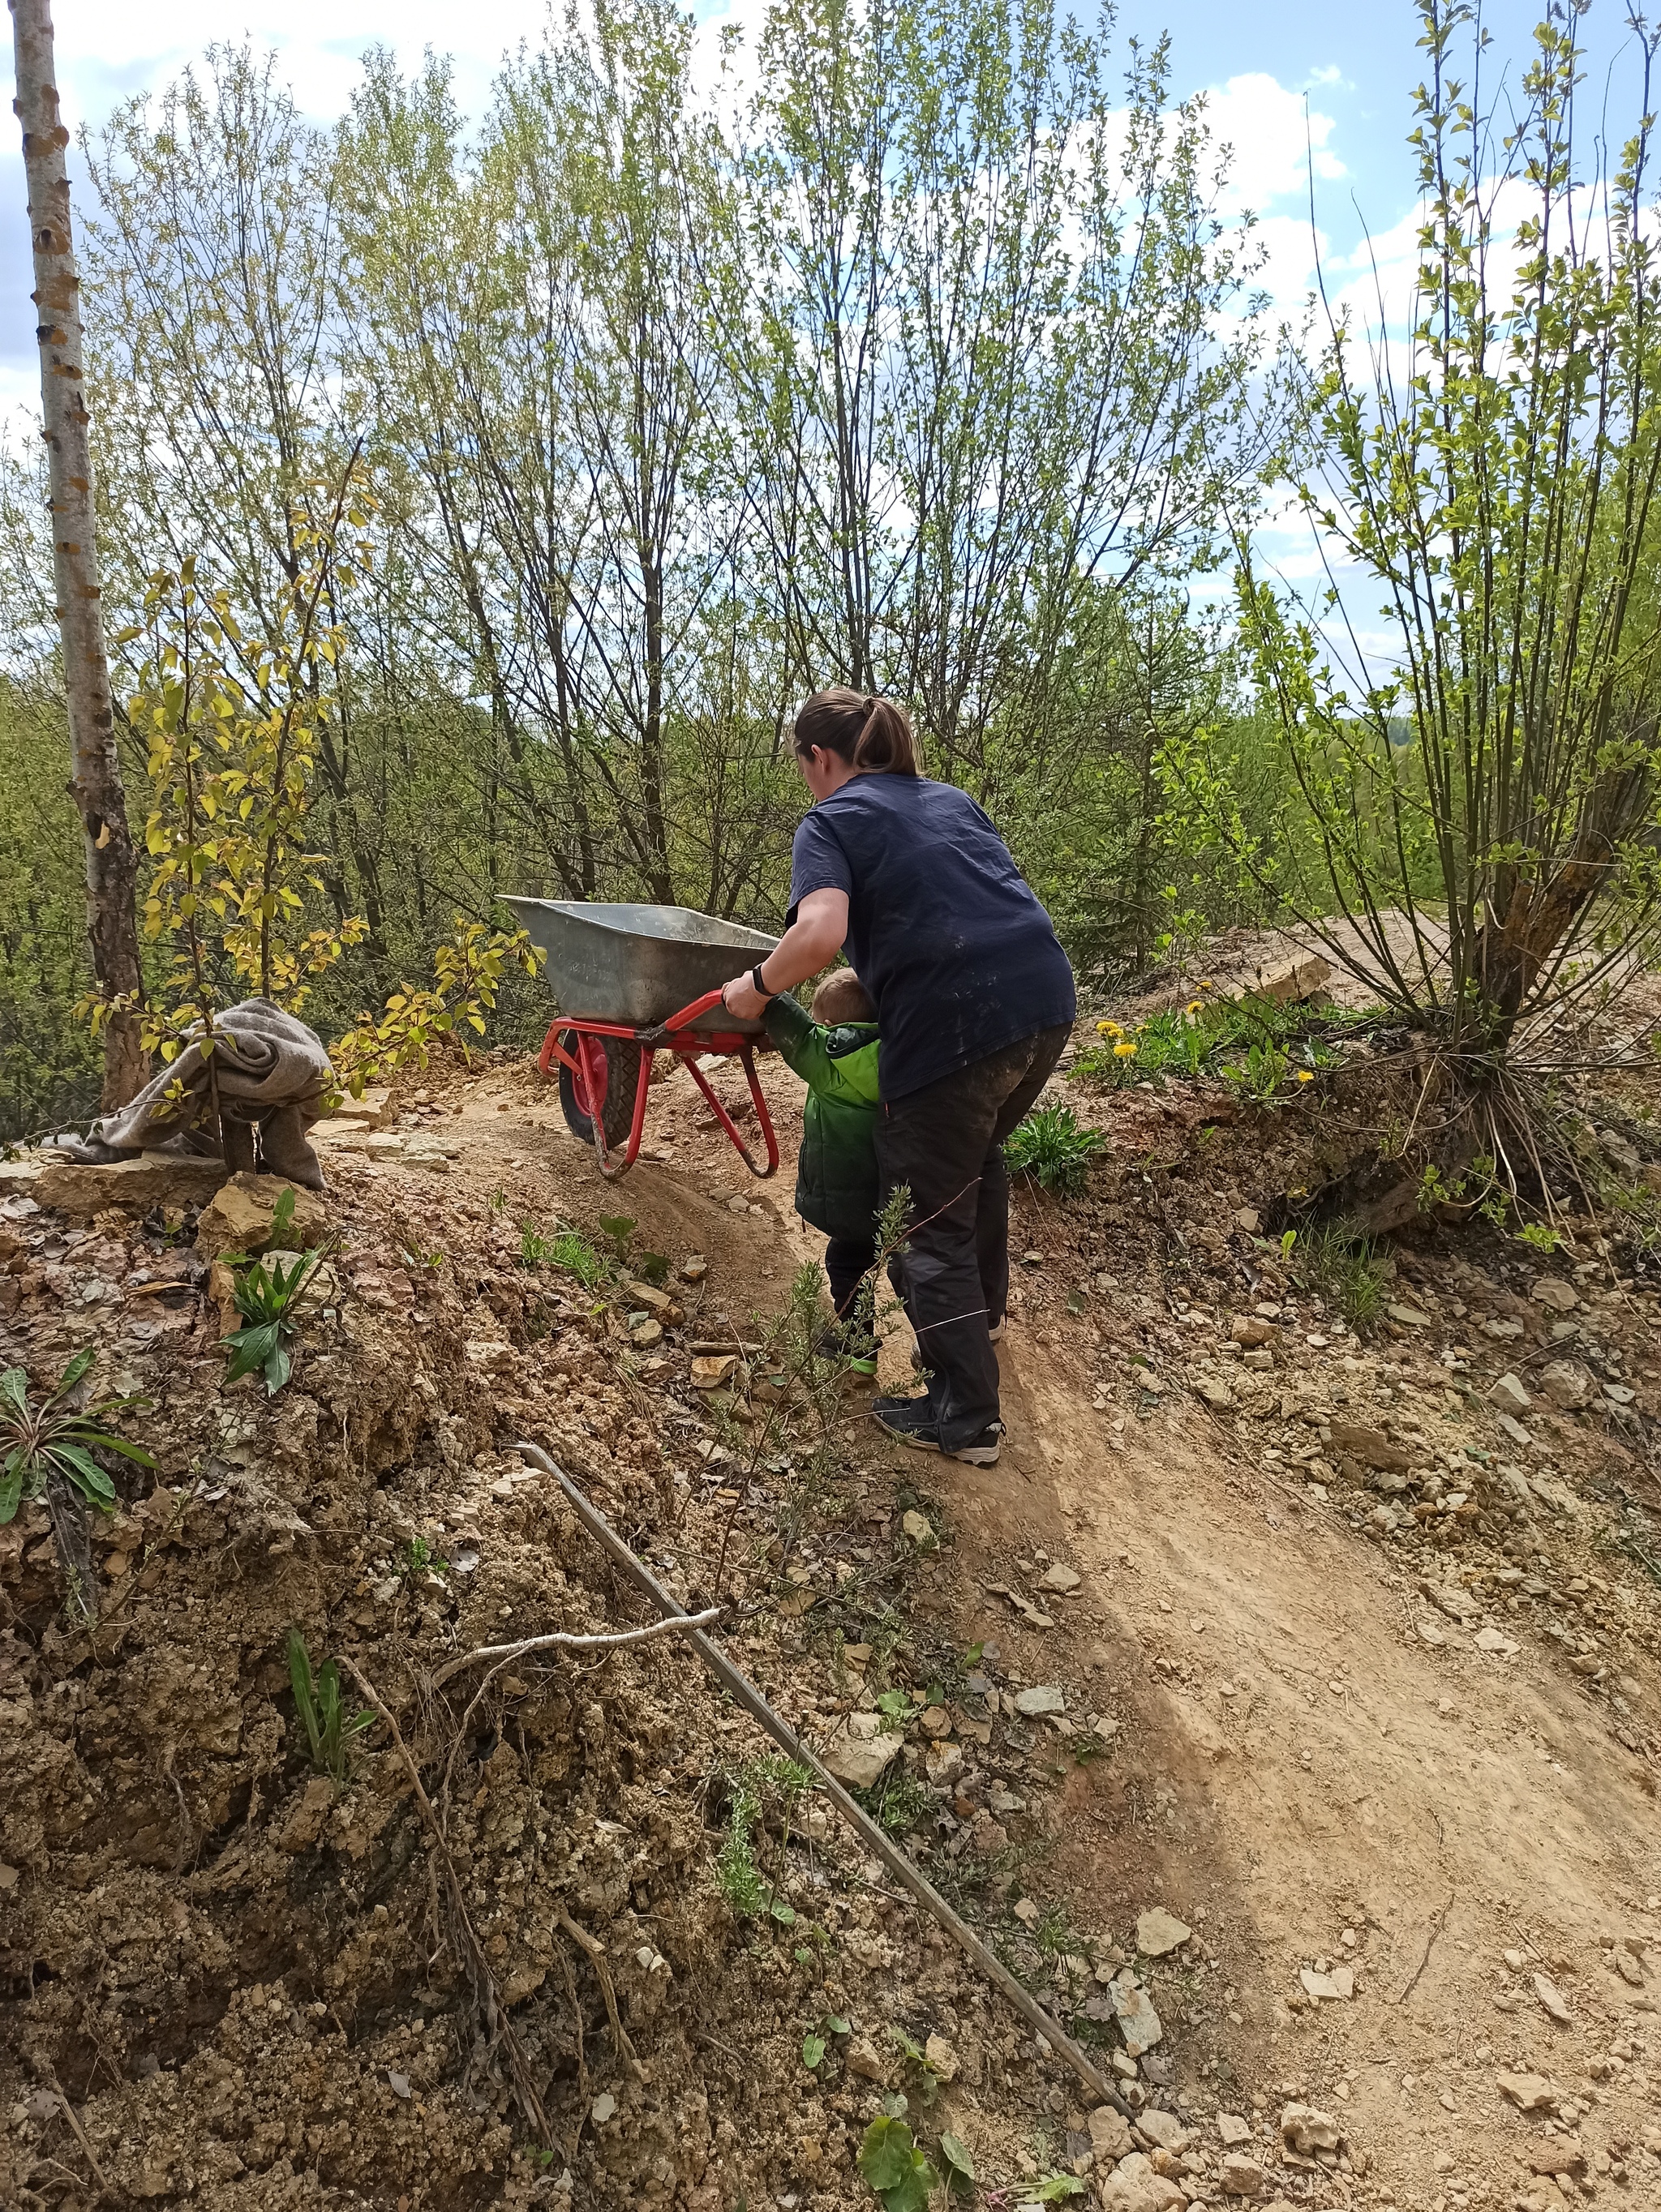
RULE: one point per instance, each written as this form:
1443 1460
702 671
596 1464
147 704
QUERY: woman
974 999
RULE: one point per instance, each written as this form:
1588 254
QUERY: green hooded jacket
837 1175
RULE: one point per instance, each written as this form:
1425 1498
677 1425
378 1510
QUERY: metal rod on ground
746 1694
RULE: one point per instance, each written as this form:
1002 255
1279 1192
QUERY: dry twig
564 1641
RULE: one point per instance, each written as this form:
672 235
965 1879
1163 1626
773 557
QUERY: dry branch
562 1641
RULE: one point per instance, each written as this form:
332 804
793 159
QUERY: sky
1292 85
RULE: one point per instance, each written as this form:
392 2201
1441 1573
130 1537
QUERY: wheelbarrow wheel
611 1074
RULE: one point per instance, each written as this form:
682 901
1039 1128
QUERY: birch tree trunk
112 866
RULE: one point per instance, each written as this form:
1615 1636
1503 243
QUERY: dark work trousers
945 1142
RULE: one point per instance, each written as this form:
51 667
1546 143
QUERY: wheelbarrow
632 981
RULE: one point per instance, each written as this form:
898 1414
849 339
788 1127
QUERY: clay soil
1382 1736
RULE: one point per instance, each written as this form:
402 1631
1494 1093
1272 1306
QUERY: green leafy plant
1056 2188
269 1295
331 1730
620 1228
960 2166
49 1437
894 2168
1541 1237
1055 1148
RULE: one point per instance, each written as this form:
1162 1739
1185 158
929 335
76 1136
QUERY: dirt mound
1269 1624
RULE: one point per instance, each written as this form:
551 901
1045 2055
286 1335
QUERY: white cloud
1273 136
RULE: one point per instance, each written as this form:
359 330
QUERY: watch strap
755 977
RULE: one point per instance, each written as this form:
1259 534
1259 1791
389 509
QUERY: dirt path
1313 1767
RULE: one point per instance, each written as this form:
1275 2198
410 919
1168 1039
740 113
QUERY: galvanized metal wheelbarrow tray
632 981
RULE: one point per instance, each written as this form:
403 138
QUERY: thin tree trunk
111 865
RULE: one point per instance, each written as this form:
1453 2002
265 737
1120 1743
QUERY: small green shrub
1054 1148
894 2168
269 1297
52 1437
329 1729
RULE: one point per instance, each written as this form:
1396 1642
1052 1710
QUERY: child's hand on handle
812 942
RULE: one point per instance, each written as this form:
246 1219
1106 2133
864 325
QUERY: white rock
1339 1985
1509 1395
1551 1290
1530 2093
1139 2023
602 2109
1109 2134
1164 2129
1233 2128
920 1529
1059 1577
1552 1998
1134 2186
1042 1698
1514 1429
1306 2130
1492 1640
1158 1931
1566 1385
859 1751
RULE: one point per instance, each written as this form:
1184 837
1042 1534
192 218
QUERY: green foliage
899 1800
1483 791
1054 1148
894 2168
960 2166
564 1250
1251 1043
270 1294
747 1893
1339 1261
331 1730
49 1438
1057 2188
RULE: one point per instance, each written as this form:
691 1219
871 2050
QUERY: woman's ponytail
885 745
873 735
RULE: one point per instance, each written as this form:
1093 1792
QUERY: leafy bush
1054 1148
54 1439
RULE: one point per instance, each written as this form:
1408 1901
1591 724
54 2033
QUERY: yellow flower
1125 1050
1192 1007
1303 1076
1206 983
1108 1029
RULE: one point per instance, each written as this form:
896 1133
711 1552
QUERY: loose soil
1399 1741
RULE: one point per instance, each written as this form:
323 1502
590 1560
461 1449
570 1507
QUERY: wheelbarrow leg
614 1170
725 1119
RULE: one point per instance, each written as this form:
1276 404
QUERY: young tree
112 866
1484 790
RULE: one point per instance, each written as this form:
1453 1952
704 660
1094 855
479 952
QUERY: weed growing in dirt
1055 1149
329 1729
269 1297
896 2169
1336 1260
1252 1044
49 1441
899 1801
747 1891
565 1249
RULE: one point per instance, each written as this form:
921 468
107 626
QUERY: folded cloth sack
270 1071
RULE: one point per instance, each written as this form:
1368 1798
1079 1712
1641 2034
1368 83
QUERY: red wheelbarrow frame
670 1037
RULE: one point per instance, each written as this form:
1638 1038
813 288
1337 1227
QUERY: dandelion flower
1303 1076
1193 1006
1124 1050
1109 1029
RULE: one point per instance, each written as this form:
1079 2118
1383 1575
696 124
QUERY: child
834 1049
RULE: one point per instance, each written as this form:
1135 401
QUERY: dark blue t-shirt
943 931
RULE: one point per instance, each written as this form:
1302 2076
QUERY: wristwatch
755 977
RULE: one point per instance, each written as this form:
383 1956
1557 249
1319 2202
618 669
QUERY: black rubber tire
622 1078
